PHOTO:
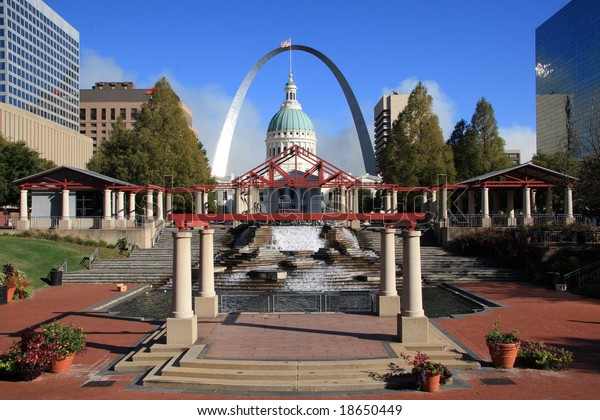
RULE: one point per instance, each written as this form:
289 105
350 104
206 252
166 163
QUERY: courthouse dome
290 116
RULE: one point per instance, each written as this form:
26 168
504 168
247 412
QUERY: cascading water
297 238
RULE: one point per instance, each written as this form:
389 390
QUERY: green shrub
541 356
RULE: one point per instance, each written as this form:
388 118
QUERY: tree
415 154
478 147
17 161
160 143
465 151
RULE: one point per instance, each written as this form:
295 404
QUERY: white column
355 204
388 202
182 275
343 202
120 205
65 205
423 201
182 326
132 206
413 325
203 199
433 205
107 205
207 304
485 202
159 206
533 202
169 204
389 301
526 202
394 208
198 205
23 208
569 205
444 204
150 205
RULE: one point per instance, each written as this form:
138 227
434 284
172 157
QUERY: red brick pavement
554 317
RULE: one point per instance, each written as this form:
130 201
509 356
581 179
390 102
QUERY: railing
90 259
156 236
64 266
576 279
504 220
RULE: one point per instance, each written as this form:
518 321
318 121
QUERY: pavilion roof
71 178
525 174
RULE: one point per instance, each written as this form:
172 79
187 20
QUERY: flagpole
291 56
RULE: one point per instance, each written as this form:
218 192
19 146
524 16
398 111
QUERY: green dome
291 119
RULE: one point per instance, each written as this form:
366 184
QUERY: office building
39 82
386 112
568 78
514 156
101 106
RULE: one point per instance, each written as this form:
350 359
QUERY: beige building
514 156
386 112
51 140
100 107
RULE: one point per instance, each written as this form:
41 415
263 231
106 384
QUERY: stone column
132 207
485 207
207 303
65 219
527 220
443 207
343 202
169 205
569 206
238 201
198 203
182 326
423 201
533 202
394 208
107 220
413 325
388 202
150 206
23 222
389 301
355 204
159 206
433 204
251 200
549 209
120 205
510 207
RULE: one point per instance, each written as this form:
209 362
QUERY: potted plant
503 346
64 340
16 283
28 358
8 282
429 375
538 355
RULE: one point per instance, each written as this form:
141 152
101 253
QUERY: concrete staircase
438 265
174 367
152 266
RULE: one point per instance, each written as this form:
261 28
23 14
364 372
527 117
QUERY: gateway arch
223 146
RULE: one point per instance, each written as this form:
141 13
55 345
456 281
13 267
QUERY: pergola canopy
524 175
68 177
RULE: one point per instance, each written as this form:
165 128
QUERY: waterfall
350 237
297 238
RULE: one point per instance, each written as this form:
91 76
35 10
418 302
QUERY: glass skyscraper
568 78
39 62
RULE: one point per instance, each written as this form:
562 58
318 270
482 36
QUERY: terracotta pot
504 355
63 365
10 292
431 382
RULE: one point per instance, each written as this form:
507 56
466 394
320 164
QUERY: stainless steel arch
224 145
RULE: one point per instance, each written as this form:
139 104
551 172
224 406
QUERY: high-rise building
514 156
101 106
568 78
386 112
39 82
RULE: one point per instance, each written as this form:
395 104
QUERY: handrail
64 266
90 259
581 273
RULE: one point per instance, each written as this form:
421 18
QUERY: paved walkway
556 318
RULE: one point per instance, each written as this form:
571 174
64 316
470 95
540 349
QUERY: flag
285 44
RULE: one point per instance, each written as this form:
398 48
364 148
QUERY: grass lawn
36 257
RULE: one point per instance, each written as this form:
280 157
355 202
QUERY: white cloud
443 106
342 150
521 138
95 68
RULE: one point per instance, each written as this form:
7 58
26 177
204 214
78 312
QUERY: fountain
299 268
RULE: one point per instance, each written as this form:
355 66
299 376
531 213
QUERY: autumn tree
415 154
17 161
160 144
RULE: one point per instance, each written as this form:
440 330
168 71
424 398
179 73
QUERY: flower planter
504 355
10 292
63 365
431 382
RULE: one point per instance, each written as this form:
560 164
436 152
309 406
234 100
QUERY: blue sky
462 50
